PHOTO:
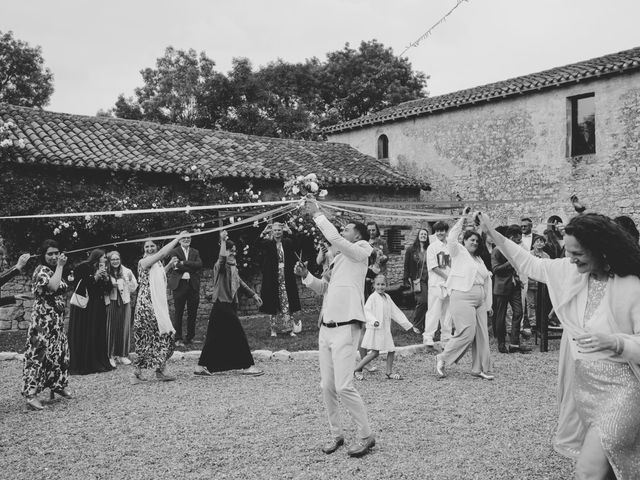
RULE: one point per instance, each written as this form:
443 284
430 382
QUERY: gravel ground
234 427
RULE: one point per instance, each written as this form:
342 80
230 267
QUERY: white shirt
185 275
433 250
526 241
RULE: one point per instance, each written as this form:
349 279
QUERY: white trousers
438 313
337 349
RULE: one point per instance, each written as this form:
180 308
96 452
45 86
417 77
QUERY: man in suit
528 298
507 290
340 321
184 281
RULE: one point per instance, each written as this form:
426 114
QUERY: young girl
379 311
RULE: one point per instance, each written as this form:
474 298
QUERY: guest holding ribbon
88 325
153 332
9 274
46 358
118 302
226 346
469 284
594 292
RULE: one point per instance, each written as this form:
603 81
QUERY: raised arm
146 262
452 240
355 251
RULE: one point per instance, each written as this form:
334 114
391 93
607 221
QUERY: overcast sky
97 49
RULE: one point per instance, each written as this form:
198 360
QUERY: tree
287 100
363 81
24 80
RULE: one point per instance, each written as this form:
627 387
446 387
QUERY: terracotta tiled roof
115 144
613 64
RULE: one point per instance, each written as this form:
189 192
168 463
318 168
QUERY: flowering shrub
5 141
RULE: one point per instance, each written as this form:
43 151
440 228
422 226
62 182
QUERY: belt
339 324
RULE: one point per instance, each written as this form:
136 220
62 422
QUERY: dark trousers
421 298
185 295
500 316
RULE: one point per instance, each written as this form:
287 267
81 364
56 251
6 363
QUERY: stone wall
510 157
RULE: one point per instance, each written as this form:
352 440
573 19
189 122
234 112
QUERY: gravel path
270 427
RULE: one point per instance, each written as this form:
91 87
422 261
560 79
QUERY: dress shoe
484 376
502 348
362 447
333 445
440 366
34 404
519 349
428 341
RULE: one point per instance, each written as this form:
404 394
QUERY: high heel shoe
34 404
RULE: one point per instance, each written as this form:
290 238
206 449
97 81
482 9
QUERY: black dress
88 326
226 346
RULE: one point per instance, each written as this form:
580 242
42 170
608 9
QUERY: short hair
46 245
553 219
468 234
513 231
361 228
502 230
440 226
526 219
628 225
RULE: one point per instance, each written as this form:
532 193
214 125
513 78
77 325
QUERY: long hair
629 225
471 233
377 228
112 271
416 242
94 257
607 241
46 245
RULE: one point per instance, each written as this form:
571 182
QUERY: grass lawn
271 427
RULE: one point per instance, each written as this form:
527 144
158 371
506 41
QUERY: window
582 134
383 147
395 239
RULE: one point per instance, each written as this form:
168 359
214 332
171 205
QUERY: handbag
80 301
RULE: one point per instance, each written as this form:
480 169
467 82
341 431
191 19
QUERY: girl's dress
46 358
379 310
154 339
88 326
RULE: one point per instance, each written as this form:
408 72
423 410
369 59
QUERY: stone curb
280 355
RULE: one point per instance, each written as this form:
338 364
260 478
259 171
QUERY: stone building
524 145
98 151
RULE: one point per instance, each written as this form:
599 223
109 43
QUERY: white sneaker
124 360
112 361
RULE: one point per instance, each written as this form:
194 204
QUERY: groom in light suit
341 319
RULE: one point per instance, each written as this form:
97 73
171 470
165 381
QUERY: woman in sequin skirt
595 292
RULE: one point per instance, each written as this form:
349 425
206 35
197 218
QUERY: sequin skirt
607 397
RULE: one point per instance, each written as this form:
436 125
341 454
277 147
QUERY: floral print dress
46 359
152 349
283 320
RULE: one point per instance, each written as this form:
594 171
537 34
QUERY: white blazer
464 267
128 285
344 291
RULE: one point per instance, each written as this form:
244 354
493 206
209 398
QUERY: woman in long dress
88 326
279 286
153 332
225 346
46 358
595 292
118 301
